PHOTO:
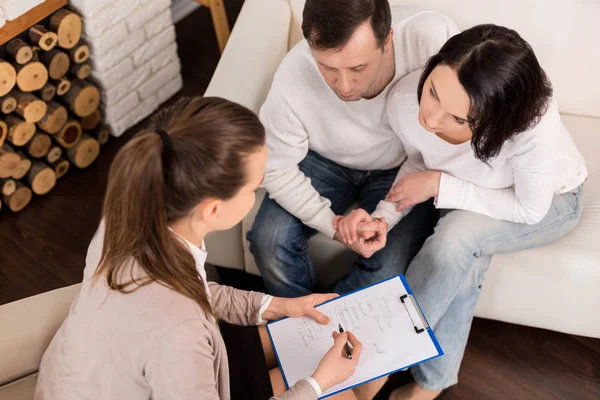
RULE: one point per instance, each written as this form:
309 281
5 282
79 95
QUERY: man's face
352 70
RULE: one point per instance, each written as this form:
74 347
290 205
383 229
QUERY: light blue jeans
447 273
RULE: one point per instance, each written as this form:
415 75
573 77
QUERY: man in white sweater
330 142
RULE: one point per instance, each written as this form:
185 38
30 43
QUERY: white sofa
553 287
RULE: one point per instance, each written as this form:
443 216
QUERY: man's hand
347 226
370 233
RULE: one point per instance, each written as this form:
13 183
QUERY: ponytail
150 187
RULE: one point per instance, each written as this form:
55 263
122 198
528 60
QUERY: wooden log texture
57 62
69 135
3 132
67 25
54 154
8 104
8 77
48 92
36 53
56 117
19 199
39 145
63 85
32 76
31 108
83 98
91 121
43 38
101 133
81 71
41 178
7 186
19 130
85 152
9 161
61 167
23 168
19 51
80 53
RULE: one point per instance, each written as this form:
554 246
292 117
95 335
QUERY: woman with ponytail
146 322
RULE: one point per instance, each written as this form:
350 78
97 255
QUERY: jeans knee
456 234
261 240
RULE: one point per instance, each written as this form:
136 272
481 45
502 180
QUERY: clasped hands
365 234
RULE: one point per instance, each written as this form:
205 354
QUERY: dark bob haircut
508 89
329 24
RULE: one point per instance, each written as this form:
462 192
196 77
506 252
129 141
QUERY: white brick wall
134 55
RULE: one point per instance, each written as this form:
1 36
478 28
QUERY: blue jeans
447 273
279 241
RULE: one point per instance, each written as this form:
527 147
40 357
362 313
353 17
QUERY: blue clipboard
422 328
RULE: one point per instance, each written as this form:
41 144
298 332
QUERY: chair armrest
28 326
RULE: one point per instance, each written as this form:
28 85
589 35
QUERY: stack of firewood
49 111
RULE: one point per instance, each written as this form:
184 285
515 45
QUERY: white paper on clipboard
385 322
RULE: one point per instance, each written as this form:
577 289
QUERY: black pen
347 348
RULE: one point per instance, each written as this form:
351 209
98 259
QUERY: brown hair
329 24
151 185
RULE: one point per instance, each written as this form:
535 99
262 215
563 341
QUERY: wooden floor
44 247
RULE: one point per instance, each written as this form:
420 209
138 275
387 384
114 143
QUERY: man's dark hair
508 89
329 24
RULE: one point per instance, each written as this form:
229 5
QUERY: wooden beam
30 18
219 17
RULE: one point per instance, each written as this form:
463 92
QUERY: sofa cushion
555 286
28 326
568 52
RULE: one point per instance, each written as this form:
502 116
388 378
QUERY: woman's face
444 106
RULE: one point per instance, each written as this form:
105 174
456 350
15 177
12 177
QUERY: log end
8 78
35 111
19 199
9 162
43 181
32 76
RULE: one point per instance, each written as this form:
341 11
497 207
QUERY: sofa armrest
28 326
258 43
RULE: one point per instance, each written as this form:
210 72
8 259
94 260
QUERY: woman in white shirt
145 323
484 139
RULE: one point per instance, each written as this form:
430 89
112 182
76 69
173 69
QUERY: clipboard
384 316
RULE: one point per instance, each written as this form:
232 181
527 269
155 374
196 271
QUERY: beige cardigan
150 344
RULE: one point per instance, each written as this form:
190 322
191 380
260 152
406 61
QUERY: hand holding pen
336 367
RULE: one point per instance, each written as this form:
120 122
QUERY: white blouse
517 185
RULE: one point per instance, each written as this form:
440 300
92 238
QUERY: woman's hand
299 307
414 188
335 367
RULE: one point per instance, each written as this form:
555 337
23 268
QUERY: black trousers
248 372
